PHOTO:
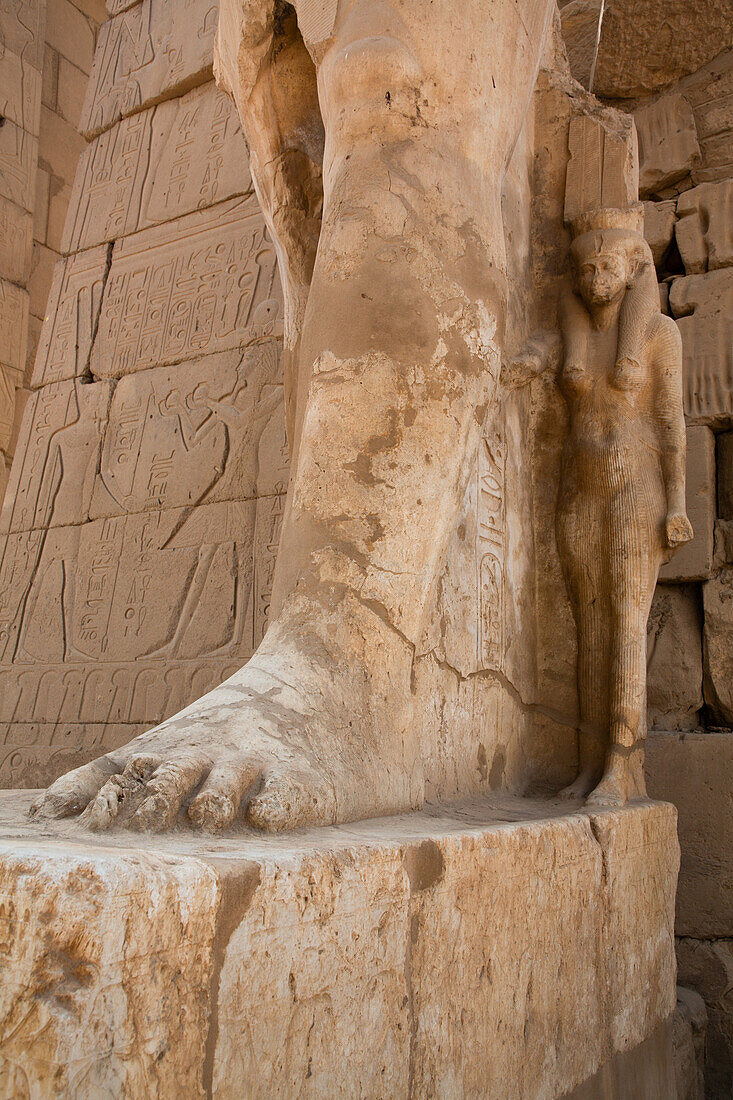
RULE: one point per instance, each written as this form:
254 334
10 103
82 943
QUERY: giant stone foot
289 740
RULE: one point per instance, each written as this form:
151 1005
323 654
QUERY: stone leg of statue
581 525
635 544
398 359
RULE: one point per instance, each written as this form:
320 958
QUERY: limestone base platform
497 949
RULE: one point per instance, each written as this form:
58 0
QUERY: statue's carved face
602 277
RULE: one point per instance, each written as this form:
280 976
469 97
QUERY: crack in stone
238 883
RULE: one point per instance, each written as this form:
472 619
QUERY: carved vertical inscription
491 548
72 312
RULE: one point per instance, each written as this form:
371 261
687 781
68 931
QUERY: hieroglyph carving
490 535
196 285
703 306
123 512
141 532
190 287
183 155
621 505
72 312
143 54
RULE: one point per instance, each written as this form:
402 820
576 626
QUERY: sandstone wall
686 139
48 47
144 502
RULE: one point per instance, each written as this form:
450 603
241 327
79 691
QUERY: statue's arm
640 305
670 425
263 63
575 324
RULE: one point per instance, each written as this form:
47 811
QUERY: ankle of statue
618 751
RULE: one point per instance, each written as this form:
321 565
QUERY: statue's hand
678 529
541 352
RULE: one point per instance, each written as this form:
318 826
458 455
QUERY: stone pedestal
494 949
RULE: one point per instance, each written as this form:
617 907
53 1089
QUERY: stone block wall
141 521
44 71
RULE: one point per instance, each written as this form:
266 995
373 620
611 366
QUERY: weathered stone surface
20 91
718 646
659 223
140 580
723 542
18 157
664 298
703 305
724 465
195 286
16 242
644 49
13 326
694 561
72 314
689 1025
707 966
58 457
603 168
650 1069
144 55
126 513
181 156
7 407
21 30
674 658
114 7
580 22
710 91
705 228
364 949
692 770
38 751
199 425
668 146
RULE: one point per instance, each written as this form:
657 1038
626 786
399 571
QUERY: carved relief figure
70 467
621 508
392 258
226 514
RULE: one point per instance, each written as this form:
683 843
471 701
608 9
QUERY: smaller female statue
621 507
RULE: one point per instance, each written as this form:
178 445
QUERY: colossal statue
621 508
378 154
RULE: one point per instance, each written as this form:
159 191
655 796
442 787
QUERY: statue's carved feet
582 786
616 785
283 743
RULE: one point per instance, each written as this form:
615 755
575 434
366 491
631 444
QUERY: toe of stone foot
148 794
